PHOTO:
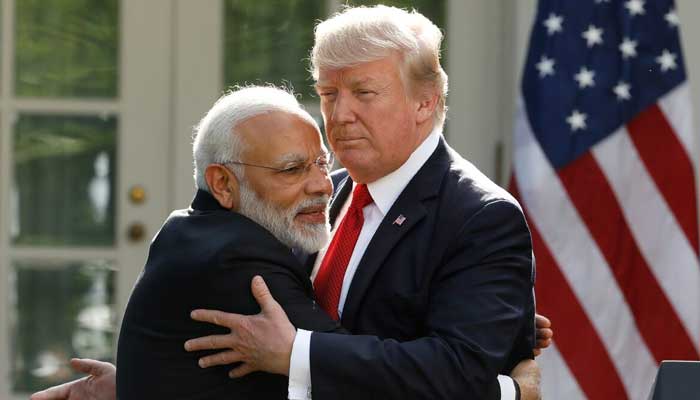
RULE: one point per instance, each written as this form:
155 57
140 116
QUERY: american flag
604 168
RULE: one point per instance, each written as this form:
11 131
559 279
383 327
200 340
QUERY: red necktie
329 280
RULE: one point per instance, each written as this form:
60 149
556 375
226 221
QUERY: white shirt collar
387 189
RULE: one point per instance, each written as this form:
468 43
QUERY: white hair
215 137
358 35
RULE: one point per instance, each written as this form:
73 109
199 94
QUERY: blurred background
97 103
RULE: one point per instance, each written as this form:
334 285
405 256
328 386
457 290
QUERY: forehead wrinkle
371 81
298 158
347 79
359 80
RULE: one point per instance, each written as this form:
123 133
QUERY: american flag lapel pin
399 220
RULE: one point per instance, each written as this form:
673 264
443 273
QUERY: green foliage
68 48
48 136
269 41
54 171
63 310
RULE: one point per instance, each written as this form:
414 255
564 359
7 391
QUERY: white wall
480 65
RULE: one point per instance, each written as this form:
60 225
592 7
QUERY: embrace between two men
422 267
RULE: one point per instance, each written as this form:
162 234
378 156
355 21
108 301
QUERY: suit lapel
385 238
406 212
339 198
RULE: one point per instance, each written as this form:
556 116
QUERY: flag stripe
649 218
580 261
667 162
577 339
596 204
557 380
676 105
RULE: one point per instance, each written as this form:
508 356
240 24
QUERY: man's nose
318 181
343 109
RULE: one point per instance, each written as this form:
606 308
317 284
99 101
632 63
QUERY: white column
143 142
197 83
478 63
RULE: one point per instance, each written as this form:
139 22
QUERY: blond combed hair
358 35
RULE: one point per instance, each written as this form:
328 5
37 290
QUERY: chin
359 163
313 237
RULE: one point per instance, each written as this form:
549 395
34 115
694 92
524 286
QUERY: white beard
280 222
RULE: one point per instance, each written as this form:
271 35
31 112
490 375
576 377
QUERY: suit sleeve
285 287
480 299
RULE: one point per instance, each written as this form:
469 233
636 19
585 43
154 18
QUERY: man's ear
426 102
223 185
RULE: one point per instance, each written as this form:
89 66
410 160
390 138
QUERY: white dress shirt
384 192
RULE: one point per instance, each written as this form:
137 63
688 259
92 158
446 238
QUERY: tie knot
361 197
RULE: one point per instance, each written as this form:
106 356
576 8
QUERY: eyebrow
353 82
298 158
291 158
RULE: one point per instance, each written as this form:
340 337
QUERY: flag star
585 78
622 90
667 60
553 23
545 66
628 48
593 35
672 18
577 120
635 7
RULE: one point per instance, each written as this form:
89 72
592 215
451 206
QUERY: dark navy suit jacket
206 257
441 303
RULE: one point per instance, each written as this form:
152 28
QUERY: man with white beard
263 188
